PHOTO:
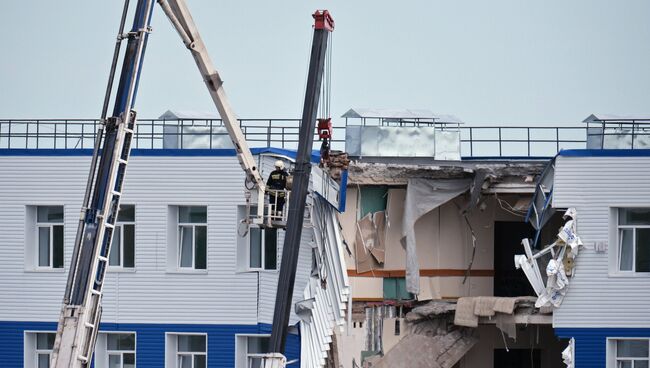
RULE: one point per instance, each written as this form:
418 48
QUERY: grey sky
484 61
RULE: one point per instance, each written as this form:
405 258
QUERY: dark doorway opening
517 358
509 281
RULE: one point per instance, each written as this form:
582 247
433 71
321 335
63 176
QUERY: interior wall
443 240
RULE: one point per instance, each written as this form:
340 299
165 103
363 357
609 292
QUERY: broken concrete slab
429 310
420 351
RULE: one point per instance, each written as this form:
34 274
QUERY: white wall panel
150 293
593 185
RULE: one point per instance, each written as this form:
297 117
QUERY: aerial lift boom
81 310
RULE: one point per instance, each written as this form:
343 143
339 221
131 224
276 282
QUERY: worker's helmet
279 164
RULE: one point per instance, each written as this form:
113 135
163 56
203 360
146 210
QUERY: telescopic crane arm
323 25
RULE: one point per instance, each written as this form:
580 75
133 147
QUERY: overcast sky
484 61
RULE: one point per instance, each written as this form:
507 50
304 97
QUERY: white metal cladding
593 185
329 302
150 293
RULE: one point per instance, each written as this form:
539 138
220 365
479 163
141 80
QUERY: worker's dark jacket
277 180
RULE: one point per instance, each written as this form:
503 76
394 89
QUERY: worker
277 183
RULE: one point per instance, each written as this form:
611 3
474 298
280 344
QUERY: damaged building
429 244
432 239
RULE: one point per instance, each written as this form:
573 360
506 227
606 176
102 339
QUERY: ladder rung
95 292
128 130
83 358
89 325
122 161
116 193
102 258
110 226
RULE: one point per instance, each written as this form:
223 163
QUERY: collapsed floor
453 298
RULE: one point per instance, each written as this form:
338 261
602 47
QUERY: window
372 199
44 346
633 240
395 289
186 350
38 349
115 350
49 230
120 349
123 248
629 353
192 237
250 349
263 250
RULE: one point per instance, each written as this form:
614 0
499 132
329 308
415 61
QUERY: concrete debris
469 309
338 162
385 173
431 309
440 351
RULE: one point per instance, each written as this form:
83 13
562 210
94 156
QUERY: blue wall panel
591 343
150 343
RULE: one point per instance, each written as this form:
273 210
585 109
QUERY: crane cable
326 86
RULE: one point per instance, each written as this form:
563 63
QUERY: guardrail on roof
155 133
475 141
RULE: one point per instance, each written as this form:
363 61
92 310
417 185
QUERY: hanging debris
568 354
563 253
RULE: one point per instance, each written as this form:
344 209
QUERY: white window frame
615 239
241 349
612 357
120 225
249 242
31 350
102 351
171 348
179 248
50 226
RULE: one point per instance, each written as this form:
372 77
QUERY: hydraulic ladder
81 310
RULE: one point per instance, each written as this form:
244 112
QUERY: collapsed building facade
432 240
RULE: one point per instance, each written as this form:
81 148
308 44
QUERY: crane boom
323 25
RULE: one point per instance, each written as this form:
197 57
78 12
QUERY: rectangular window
123 248
630 353
250 349
395 289
372 199
263 250
633 241
192 237
44 346
120 350
49 235
191 351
